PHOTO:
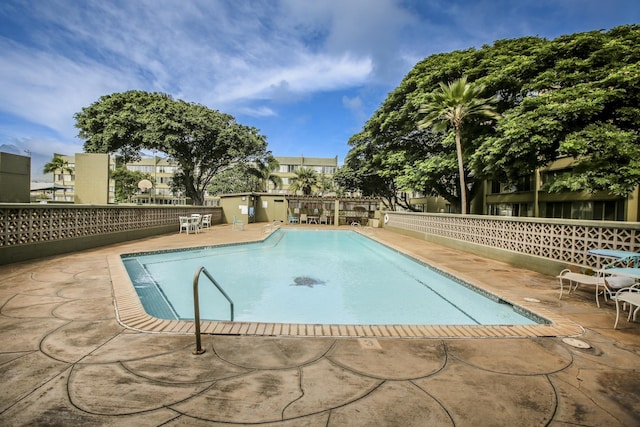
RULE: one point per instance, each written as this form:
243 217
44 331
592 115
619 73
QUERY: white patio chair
196 222
206 221
631 296
185 224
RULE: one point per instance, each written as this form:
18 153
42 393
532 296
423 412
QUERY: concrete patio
67 358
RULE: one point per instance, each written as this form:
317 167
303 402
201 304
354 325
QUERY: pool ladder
196 304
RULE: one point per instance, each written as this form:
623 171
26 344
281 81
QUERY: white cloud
310 74
215 53
355 105
257 112
48 89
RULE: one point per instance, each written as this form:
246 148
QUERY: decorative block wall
559 240
26 224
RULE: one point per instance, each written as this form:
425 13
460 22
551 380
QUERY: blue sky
307 73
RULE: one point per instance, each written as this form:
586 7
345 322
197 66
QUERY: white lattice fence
34 224
566 241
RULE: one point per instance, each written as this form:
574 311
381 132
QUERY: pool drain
576 343
309 282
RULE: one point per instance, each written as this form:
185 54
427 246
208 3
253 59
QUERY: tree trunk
463 186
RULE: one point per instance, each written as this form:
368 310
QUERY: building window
167 169
525 183
140 168
609 210
328 170
511 209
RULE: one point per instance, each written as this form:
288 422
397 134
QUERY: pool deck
75 350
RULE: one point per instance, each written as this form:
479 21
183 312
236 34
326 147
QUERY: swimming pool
313 277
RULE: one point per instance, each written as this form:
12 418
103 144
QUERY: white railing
555 239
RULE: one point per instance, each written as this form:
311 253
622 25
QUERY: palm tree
452 105
55 165
263 170
304 181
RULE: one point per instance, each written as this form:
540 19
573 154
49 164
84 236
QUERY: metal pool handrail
196 304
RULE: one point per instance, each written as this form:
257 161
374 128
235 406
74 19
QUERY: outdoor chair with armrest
206 221
184 224
631 296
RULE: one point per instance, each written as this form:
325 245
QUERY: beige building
323 166
15 174
162 171
528 199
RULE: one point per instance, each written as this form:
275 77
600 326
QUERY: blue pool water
311 276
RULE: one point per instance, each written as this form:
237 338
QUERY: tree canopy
247 177
235 179
572 96
201 141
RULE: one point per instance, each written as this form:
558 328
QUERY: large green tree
573 96
201 141
453 105
235 179
374 170
247 177
583 104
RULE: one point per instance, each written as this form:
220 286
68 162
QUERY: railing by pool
196 304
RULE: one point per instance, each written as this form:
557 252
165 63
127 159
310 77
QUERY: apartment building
527 198
162 171
326 166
